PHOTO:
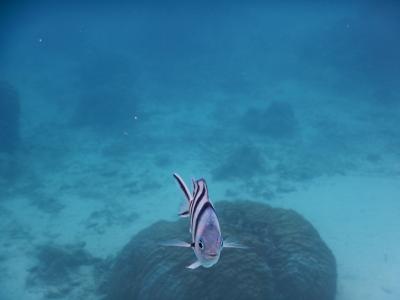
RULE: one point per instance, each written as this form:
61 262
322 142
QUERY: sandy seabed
357 216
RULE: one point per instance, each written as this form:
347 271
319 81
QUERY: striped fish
207 241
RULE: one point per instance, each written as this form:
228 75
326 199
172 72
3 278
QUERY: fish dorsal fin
183 187
184 210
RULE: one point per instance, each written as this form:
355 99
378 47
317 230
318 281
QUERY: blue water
295 105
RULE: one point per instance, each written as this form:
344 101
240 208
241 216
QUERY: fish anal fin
194 265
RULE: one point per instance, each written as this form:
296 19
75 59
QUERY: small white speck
125 133
135 117
40 40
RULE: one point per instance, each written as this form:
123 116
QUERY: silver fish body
207 242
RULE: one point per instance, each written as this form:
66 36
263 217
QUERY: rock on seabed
286 260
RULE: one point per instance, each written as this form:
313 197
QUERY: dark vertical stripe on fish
203 201
202 210
197 201
194 185
195 191
201 195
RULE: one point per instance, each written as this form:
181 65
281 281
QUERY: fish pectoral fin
175 243
194 265
232 244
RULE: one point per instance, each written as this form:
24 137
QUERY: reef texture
286 260
277 121
64 271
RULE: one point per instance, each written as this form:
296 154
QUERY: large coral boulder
286 260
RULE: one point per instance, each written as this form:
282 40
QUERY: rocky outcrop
286 260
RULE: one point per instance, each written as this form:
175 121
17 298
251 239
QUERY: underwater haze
296 105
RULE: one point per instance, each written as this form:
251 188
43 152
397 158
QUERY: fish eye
201 244
222 242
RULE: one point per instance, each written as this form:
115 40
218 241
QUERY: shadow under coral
286 260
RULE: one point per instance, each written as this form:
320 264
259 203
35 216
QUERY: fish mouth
212 255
